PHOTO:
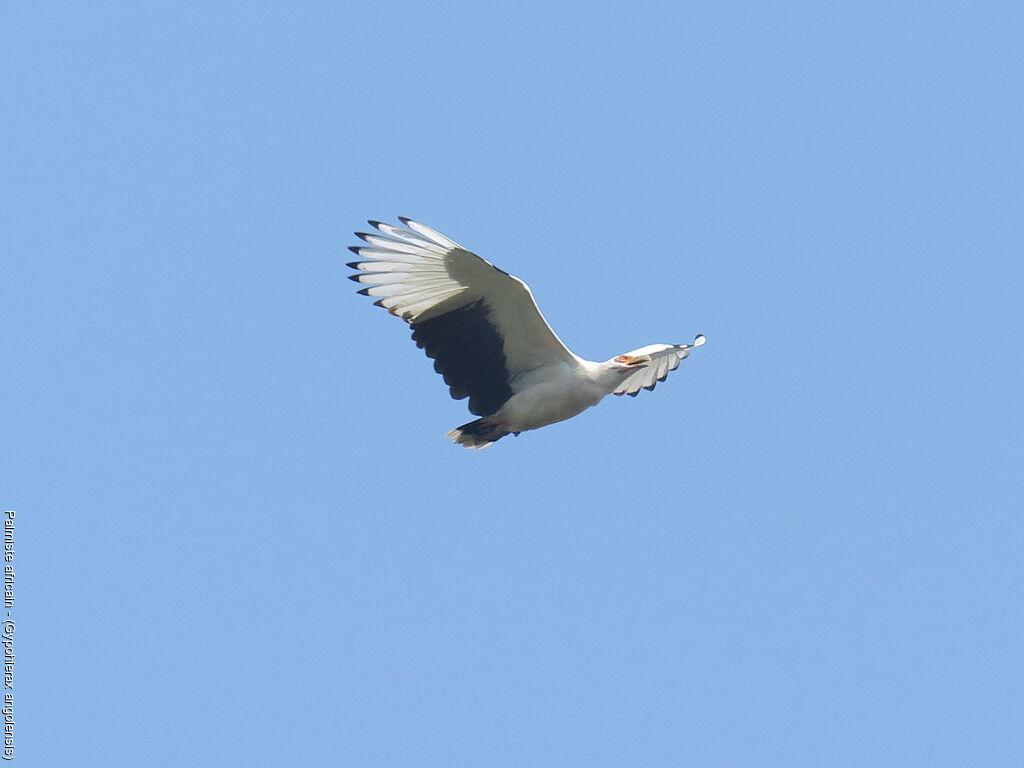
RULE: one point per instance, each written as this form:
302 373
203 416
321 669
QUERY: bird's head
629 363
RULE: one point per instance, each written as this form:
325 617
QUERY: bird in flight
487 336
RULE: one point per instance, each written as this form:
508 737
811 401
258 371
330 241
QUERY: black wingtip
357 278
405 220
355 249
374 223
353 264
364 236
363 291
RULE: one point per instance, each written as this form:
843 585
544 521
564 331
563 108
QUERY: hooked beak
640 362
630 363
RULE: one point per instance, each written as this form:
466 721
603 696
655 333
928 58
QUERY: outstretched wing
480 324
664 358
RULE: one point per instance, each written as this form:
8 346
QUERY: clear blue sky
243 538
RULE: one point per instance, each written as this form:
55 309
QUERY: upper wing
479 323
664 358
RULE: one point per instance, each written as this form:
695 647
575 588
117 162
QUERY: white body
554 393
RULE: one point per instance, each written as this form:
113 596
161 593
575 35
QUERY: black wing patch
469 353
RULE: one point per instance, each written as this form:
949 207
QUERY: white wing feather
418 274
664 358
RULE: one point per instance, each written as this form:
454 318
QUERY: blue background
242 536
